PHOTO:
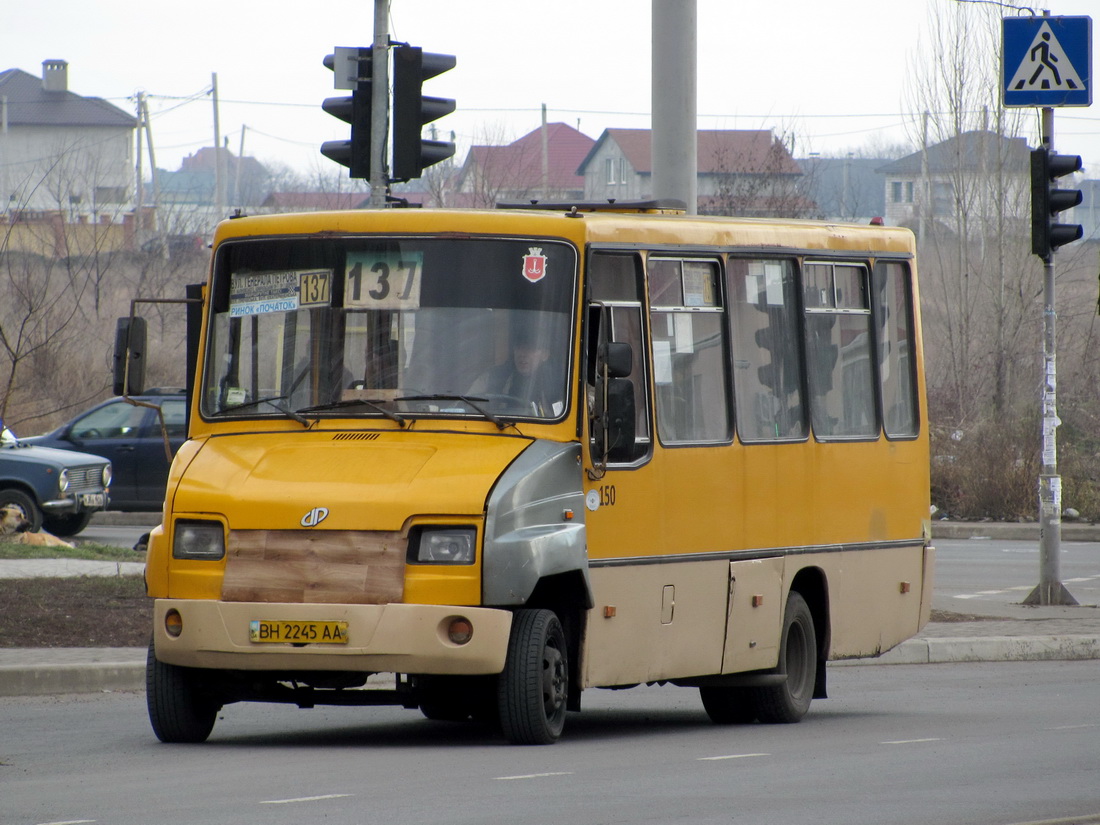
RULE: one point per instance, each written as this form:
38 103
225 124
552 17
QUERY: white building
60 152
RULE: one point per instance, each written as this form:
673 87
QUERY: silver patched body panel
535 524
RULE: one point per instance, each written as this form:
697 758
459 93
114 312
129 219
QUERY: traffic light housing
353 71
1047 201
411 110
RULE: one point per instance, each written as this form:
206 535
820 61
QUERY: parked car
55 489
130 438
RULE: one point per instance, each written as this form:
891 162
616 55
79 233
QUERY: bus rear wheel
789 702
179 710
534 685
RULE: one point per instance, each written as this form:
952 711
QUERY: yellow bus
500 457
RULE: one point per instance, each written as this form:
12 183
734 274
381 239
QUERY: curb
987 649
43 680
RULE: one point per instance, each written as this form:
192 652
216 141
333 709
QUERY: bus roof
598 228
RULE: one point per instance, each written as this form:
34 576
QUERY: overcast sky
832 73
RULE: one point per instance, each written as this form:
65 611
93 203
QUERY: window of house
838 351
895 191
767 356
690 371
909 191
612 166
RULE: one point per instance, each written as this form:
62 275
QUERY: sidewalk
992 631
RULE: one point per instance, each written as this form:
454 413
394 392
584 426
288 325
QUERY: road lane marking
533 775
911 741
730 756
69 822
304 799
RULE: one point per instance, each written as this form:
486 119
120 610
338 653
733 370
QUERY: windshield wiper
470 401
270 401
352 402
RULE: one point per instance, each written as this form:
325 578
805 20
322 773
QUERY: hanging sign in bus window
383 280
258 293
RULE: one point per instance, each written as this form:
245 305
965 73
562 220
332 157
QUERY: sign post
1047 62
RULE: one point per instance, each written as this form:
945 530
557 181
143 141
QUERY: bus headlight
203 540
442 545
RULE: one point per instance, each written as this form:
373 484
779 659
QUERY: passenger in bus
526 375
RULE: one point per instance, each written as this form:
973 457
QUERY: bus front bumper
389 638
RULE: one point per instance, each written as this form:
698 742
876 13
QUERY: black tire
178 709
10 497
69 525
789 702
442 699
729 705
533 689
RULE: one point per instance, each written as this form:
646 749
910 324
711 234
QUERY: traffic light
411 110
353 71
1047 201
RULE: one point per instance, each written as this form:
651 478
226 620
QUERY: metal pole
1050 590
380 104
675 133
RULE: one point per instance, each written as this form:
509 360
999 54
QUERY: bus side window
615 282
893 307
690 371
767 358
838 351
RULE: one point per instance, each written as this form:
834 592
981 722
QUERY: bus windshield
392 327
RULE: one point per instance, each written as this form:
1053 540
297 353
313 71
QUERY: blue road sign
1046 61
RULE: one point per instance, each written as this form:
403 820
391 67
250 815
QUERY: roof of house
718 151
29 104
316 200
968 151
519 163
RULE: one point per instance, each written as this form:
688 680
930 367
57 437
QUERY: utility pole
675 132
219 178
1050 590
380 104
139 197
156 185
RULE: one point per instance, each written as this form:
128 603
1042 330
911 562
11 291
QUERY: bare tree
972 210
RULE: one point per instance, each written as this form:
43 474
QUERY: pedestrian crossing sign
1047 61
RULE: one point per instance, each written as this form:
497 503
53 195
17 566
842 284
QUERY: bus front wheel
788 702
179 710
534 685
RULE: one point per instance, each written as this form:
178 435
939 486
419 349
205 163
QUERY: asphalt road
974 744
972 571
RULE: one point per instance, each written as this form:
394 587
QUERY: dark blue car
130 437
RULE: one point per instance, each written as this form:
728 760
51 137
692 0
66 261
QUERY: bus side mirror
129 362
620 414
618 357
615 403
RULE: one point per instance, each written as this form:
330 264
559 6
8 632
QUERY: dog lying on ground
12 523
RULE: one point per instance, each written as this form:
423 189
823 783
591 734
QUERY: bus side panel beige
755 615
883 591
655 621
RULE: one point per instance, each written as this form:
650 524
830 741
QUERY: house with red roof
541 165
741 172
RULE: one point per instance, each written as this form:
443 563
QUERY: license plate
298 633
92 499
